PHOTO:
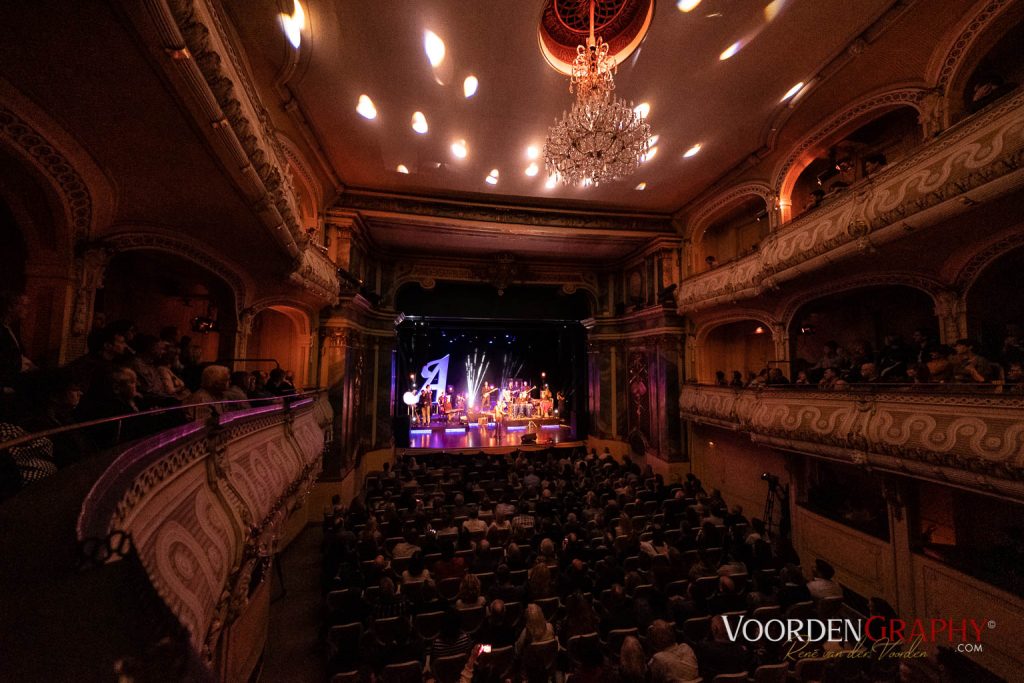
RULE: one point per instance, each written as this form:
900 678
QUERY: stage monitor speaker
400 426
528 439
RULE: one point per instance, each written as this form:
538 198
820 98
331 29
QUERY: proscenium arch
850 118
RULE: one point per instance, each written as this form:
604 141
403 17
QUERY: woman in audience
539 584
451 639
536 630
632 662
416 570
580 618
469 593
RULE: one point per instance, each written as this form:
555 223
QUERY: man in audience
672 662
107 349
822 585
971 366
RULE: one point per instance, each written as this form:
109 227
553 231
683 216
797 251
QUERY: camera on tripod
773 480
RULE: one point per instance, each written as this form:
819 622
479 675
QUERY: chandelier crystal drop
601 138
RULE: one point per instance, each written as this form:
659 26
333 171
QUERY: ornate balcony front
966 439
980 159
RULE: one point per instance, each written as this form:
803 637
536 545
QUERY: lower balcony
965 439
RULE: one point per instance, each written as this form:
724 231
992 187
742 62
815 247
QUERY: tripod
776 491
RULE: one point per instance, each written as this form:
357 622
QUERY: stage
510 434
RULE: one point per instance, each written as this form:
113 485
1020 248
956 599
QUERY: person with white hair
213 387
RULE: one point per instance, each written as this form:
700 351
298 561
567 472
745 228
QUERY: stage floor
451 437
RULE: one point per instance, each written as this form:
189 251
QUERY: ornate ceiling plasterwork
195 37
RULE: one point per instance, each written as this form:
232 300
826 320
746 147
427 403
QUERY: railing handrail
260 402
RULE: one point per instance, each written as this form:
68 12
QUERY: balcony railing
985 150
972 439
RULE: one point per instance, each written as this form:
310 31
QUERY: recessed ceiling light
551 182
460 149
532 152
532 169
434 47
470 85
772 9
642 186
419 122
692 151
731 50
792 91
293 24
492 177
650 154
642 110
687 5
402 169
366 108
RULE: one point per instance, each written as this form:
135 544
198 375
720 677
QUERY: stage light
532 169
403 169
642 110
419 122
792 91
293 24
641 187
687 5
469 86
692 152
459 149
758 330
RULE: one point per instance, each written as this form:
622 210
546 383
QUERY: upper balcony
977 160
944 433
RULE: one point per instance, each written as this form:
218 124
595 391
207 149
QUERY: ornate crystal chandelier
601 138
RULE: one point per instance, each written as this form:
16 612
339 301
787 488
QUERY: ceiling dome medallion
600 138
565 24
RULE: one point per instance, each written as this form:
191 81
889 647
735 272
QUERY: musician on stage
444 405
425 401
562 413
487 398
546 402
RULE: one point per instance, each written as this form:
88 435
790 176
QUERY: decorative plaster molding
707 211
69 185
985 149
202 506
784 176
973 441
519 215
240 283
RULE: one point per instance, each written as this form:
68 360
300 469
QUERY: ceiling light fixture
792 91
601 138
434 47
293 24
366 108
731 50
653 140
470 85
459 149
650 154
641 187
692 152
532 152
687 5
419 123
492 177
532 169
402 168
551 182
642 110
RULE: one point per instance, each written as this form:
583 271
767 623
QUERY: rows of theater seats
613 559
